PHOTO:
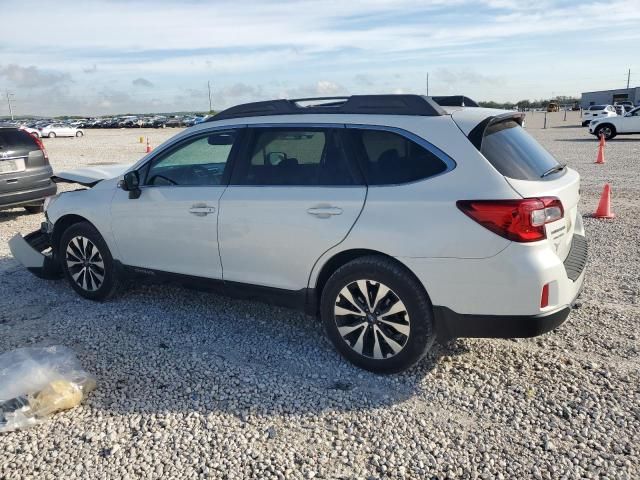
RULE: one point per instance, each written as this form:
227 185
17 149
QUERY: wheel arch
62 224
339 259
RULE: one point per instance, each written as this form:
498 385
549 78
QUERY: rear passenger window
390 158
294 156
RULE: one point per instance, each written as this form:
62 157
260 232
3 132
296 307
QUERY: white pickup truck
618 125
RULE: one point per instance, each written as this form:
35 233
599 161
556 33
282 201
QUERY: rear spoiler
477 134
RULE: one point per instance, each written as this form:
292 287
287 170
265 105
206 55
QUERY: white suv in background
597 111
613 126
395 219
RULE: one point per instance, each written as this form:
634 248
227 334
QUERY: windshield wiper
557 168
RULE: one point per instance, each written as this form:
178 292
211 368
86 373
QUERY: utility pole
628 78
209 86
9 95
427 84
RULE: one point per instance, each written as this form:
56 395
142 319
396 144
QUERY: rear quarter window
515 153
388 158
17 140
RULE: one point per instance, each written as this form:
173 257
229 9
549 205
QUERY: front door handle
324 211
201 209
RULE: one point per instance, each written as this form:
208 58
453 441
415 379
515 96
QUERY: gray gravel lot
193 385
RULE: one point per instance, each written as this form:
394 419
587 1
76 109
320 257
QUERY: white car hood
89 176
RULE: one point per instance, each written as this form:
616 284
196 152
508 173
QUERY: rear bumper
499 297
450 324
28 251
26 190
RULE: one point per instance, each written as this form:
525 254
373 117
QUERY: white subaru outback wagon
398 219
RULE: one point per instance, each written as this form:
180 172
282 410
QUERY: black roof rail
455 101
354 104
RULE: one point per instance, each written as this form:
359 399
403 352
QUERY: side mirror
131 184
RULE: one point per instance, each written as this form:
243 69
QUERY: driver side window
199 161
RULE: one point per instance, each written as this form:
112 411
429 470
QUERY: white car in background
597 111
393 218
33 131
61 130
619 125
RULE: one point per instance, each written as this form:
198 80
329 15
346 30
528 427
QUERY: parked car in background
25 173
553 107
61 130
619 125
392 240
597 111
32 131
174 122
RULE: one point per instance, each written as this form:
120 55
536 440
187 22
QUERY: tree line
528 104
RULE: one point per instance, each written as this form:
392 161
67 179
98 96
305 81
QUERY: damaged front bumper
34 252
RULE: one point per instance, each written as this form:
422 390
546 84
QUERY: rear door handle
201 210
324 212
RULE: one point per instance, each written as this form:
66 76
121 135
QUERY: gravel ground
193 385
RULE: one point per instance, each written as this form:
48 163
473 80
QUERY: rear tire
79 134
51 135
377 315
87 262
34 208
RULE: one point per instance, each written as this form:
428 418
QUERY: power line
9 95
628 78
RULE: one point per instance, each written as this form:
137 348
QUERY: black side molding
301 300
450 324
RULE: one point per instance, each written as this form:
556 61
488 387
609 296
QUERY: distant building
609 97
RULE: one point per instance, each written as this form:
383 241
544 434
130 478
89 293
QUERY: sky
119 56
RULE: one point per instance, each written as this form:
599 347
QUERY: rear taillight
517 220
41 147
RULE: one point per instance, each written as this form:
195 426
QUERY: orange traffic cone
148 146
604 207
600 158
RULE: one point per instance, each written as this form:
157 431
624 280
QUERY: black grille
577 259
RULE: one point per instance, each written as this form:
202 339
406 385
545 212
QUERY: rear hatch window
17 140
516 154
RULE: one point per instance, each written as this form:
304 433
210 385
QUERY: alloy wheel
85 263
606 131
372 319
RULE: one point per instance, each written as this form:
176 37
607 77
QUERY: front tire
87 262
608 130
377 315
79 134
51 135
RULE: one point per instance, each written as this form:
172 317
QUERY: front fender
93 205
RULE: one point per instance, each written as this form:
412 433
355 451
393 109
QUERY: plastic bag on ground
37 382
